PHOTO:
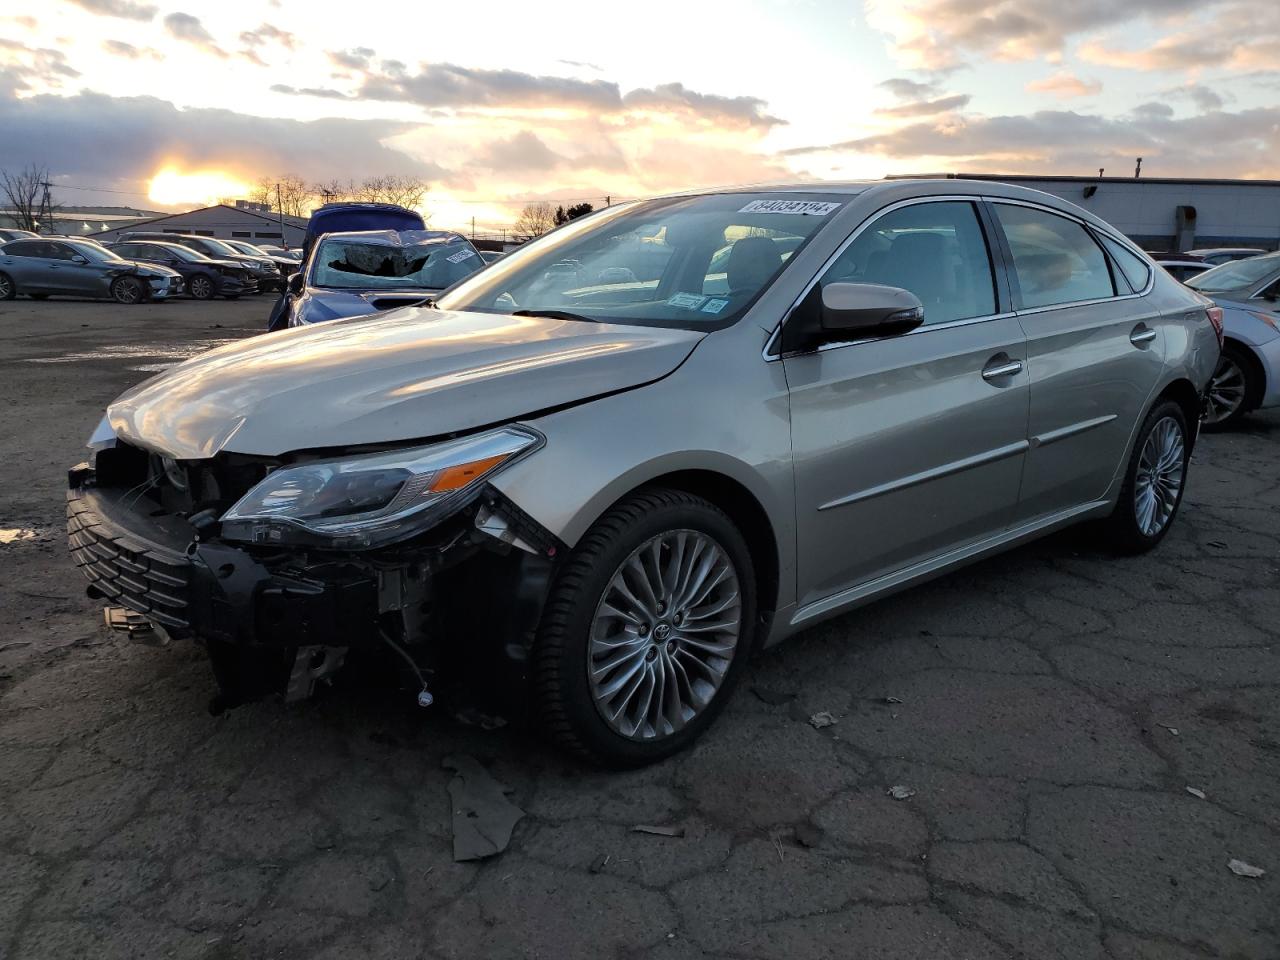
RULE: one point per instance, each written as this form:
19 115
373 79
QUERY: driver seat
752 261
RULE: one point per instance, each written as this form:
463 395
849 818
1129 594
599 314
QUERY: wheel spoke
664 634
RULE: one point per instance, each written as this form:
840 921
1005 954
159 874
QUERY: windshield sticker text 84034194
464 254
813 208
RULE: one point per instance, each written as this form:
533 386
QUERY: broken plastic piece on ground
658 831
1196 792
900 792
471 717
823 718
1172 730
892 700
1242 869
483 817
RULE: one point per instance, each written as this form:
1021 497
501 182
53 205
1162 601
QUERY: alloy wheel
6 287
127 291
664 634
1226 390
1161 470
201 288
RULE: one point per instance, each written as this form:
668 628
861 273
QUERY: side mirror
295 284
853 311
76 258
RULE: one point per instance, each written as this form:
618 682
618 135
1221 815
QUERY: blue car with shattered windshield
361 272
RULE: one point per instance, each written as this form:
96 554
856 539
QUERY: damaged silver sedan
610 466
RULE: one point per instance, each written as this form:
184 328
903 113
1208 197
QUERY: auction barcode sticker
813 208
464 254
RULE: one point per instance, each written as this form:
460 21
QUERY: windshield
184 253
1236 274
363 265
248 248
694 262
217 247
94 253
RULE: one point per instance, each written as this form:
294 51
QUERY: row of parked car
138 267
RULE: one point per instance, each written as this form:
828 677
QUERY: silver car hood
409 374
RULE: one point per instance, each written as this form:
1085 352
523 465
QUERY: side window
25 248
935 250
1134 268
1055 260
59 251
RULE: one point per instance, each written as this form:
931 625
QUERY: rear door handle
1141 334
997 368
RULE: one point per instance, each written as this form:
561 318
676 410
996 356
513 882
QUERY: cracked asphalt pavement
1046 711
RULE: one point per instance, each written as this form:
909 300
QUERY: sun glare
172 186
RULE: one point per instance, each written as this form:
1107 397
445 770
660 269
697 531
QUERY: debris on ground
807 835
900 792
483 817
823 718
1172 730
891 700
658 831
471 717
1242 869
1196 792
774 698
1220 544
599 863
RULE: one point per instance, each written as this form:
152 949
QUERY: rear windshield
1236 274
354 264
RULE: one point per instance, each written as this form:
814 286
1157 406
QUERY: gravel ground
1047 713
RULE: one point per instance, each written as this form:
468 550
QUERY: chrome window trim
871 218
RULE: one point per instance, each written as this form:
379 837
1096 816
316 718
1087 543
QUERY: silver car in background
607 468
1248 375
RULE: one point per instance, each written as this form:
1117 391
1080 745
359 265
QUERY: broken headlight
370 500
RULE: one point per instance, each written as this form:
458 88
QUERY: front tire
646 631
128 290
201 287
1154 482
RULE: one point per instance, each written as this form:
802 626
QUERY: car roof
1209 251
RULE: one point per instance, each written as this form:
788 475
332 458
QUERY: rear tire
128 290
1234 389
627 672
8 289
1154 482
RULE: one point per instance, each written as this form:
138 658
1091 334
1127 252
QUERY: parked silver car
1248 374
62 267
609 468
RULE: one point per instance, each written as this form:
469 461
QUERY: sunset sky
497 103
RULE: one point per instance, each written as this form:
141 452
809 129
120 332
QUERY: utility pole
608 201
1137 171
473 228
280 210
46 208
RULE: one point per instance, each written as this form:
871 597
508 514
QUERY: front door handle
1141 334
999 367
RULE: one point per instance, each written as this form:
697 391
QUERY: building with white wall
1151 210
244 221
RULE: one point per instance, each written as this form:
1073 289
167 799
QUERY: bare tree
287 194
405 191
334 191
24 195
535 220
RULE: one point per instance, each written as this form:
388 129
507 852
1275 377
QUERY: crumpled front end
277 619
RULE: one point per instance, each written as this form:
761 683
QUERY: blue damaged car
362 272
